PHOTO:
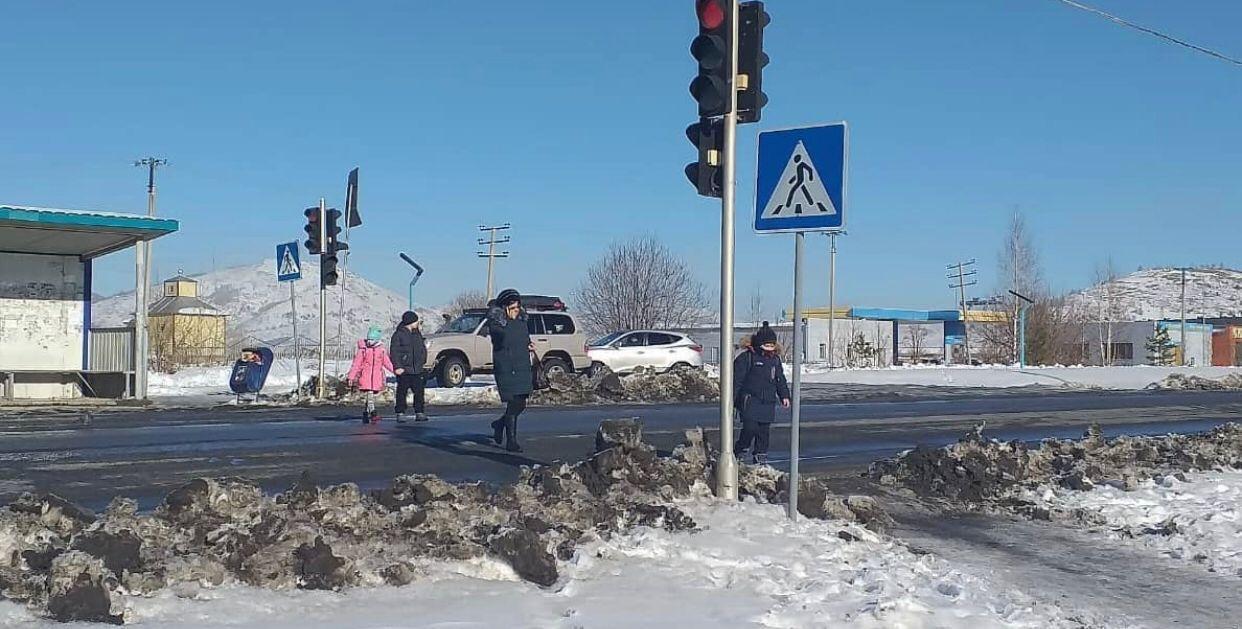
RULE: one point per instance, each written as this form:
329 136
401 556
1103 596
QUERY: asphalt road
145 454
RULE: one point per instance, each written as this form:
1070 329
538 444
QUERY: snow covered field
999 376
1198 520
750 566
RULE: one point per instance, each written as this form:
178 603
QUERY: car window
534 323
465 324
607 340
657 338
558 324
637 339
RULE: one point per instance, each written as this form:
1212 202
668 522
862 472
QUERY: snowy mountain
1156 294
258 306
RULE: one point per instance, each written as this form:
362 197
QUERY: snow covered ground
1199 520
750 566
207 386
999 376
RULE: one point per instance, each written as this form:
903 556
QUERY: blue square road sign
800 179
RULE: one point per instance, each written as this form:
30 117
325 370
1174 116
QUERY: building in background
1127 345
1227 346
185 330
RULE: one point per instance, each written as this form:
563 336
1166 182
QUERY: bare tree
915 342
640 284
1108 308
756 306
472 298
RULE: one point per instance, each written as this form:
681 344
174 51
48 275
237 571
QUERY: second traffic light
313 245
751 59
328 274
707 174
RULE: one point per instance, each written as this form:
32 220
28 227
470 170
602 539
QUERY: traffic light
750 61
707 174
328 274
313 246
712 50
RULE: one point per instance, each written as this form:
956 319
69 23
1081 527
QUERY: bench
88 379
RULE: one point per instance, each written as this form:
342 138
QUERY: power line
1154 33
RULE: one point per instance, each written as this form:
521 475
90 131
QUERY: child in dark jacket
759 384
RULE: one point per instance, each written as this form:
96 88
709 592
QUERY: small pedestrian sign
800 183
287 266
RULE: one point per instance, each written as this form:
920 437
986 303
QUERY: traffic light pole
726 467
323 297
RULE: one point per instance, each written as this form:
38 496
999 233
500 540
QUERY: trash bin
250 371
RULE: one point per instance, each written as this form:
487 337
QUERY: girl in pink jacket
370 369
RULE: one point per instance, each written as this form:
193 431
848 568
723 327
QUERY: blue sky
567 119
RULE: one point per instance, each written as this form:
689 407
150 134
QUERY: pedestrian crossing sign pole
799 188
289 269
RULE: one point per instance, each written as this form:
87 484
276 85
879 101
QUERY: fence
111 349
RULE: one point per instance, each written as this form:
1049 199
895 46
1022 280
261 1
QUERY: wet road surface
145 454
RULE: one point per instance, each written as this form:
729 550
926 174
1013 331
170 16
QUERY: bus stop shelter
46 258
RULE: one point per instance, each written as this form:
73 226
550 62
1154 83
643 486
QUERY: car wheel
556 366
453 372
680 366
597 368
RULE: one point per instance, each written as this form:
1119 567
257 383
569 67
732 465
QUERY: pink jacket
370 364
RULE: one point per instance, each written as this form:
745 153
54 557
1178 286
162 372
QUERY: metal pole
1022 336
961 288
797 378
491 259
340 311
1183 316
832 297
140 322
297 343
726 468
323 300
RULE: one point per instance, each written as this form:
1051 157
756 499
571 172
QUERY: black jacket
759 383
511 360
408 350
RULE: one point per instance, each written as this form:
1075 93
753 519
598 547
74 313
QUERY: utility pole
142 294
491 254
1183 361
962 275
832 296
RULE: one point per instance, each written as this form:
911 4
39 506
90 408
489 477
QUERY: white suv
626 351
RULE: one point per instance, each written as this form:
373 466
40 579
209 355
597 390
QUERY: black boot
511 444
498 431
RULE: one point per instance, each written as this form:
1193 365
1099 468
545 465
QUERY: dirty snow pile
745 565
1184 382
643 385
979 470
65 563
1194 516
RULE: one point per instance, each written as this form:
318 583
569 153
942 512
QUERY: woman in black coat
512 357
759 384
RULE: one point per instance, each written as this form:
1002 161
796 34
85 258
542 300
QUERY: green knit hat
375 333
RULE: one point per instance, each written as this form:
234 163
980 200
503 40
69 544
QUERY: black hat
409 317
764 336
507 296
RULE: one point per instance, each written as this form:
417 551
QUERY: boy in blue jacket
759 384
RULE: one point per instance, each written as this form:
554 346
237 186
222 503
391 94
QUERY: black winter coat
511 360
408 350
759 384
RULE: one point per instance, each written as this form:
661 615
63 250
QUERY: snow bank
999 376
1197 520
750 566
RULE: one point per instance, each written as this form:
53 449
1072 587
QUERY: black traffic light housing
313 246
328 274
750 61
712 50
707 174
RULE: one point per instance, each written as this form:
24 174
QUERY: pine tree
1160 348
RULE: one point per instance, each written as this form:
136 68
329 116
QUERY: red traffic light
711 14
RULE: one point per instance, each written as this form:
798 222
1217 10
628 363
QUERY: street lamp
418 272
1022 326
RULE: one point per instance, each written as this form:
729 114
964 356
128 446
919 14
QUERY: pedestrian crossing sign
800 179
287 266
